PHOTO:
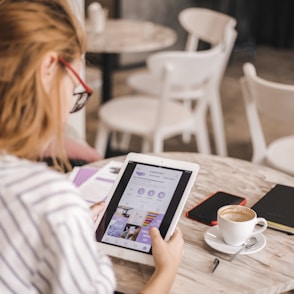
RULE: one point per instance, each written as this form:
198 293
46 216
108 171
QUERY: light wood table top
129 36
270 270
125 36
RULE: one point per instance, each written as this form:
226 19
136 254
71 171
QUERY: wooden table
126 36
270 270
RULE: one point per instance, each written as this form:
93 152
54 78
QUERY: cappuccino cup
237 223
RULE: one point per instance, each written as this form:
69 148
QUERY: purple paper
83 174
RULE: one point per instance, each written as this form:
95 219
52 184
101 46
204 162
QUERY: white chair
214 28
275 101
155 119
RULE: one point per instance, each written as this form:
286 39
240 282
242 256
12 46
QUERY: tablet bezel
137 256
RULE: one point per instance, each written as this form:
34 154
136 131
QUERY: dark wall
269 22
259 22
274 23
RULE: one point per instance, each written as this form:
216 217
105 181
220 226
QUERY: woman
46 230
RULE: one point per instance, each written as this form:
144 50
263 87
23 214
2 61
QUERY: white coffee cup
237 223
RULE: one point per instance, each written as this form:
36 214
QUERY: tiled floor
271 63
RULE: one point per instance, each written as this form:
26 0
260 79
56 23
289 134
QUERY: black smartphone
206 211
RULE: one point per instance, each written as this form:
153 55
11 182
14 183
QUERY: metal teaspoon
249 243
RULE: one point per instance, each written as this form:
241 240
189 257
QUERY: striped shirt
46 234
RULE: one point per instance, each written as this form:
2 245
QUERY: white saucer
213 238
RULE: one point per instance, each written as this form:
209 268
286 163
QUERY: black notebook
277 207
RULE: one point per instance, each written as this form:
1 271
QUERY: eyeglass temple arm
88 89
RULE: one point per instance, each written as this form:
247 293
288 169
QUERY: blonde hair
28 116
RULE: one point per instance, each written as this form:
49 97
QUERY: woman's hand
96 209
167 254
167 258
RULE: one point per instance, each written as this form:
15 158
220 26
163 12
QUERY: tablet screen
147 195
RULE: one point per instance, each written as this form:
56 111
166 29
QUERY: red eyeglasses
81 97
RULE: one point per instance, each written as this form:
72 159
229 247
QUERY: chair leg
114 141
120 141
125 141
157 144
146 146
186 137
102 139
202 140
218 125
201 133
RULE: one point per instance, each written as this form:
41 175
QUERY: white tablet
148 191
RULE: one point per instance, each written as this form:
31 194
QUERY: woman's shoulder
27 175
37 187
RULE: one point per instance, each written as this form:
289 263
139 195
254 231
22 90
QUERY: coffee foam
237 215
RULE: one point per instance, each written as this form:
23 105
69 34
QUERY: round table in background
267 271
126 36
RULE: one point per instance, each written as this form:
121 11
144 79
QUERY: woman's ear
48 69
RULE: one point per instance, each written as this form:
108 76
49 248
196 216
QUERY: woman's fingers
96 209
